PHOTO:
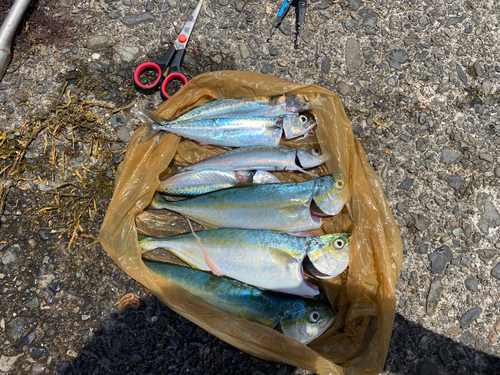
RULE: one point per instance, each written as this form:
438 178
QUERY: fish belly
247 158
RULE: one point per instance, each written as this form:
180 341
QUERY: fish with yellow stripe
264 259
300 319
283 207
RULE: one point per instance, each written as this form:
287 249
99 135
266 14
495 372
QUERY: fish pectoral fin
293 210
208 259
282 257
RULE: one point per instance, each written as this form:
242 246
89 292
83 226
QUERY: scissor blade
181 42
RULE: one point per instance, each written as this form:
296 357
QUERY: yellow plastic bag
364 295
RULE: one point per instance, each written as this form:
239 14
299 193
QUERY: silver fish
267 260
234 131
283 207
274 106
198 182
263 158
302 320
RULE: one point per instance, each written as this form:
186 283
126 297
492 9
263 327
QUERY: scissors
300 13
169 66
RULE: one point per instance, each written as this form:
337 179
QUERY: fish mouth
308 283
316 212
313 270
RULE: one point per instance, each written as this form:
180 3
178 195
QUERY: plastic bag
364 295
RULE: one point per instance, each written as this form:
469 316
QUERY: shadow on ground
155 340
416 350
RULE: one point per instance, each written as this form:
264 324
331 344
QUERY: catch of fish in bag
246 204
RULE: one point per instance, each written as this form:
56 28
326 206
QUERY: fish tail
158 202
152 121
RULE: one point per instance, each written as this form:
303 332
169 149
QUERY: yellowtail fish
283 207
263 158
264 259
302 320
273 106
191 183
234 131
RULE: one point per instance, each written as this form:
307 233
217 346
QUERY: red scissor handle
169 78
147 89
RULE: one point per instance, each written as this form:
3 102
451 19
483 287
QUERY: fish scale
261 106
262 158
279 207
283 207
236 131
230 132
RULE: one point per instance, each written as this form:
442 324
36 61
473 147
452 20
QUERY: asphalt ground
419 81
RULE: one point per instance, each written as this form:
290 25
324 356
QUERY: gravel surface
419 80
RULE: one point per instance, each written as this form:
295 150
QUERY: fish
191 183
282 207
233 131
273 106
264 259
263 158
302 320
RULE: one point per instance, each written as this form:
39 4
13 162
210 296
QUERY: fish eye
316 151
314 316
339 184
303 118
339 243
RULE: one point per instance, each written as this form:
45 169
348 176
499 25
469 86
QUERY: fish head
305 321
331 193
310 157
297 103
296 125
329 254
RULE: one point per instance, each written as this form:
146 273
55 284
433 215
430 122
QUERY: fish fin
283 258
208 260
306 172
152 117
304 233
293 210
151 120
158 202
150 133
